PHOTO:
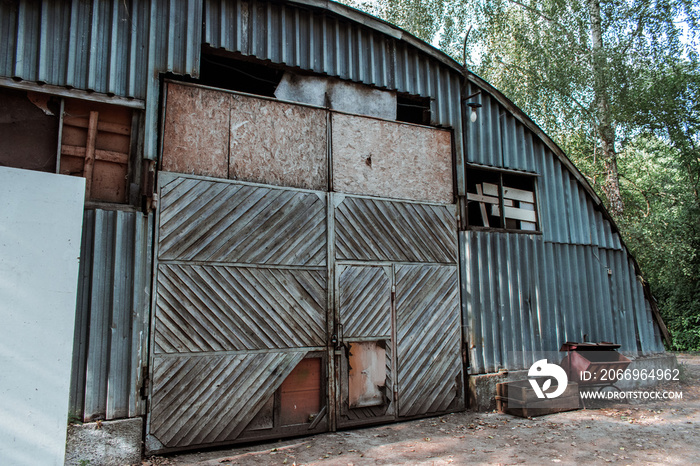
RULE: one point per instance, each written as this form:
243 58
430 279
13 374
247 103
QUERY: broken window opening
413 109
95 142
29 130
499 200
238 75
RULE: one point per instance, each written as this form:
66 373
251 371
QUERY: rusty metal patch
367 375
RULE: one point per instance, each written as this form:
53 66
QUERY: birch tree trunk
603 125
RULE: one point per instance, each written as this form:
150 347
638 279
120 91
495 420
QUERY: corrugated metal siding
321 42
102 46
112 314
524 295
113 47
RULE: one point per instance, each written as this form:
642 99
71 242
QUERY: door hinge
144 382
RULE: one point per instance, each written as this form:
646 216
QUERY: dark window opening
501 200
29 130
413 109
95 142
238 75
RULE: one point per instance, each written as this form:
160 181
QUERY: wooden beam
89 163
107 127
102 155
518 194
481 198
482 206
515 213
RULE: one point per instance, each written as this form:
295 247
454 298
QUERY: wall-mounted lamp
472 115
472 106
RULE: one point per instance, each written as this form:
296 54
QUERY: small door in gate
365 314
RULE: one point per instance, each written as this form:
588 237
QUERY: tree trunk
604 125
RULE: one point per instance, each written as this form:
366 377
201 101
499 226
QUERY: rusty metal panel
370 155
221 308
213 221
301 393
429 368
278 143
208 399
369 414
195 131
367 374
365 302
370 229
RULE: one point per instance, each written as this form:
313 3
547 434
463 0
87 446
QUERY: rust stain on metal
367 375
300 393
278 143
370 155
195 135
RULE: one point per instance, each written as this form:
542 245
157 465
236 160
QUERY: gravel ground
635 432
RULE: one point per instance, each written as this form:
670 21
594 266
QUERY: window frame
500 172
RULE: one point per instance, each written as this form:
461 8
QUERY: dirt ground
635 432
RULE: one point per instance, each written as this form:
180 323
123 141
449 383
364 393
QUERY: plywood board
195 134
278 143
40 226
387 159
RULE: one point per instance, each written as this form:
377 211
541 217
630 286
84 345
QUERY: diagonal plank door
416 305
239 327
428 339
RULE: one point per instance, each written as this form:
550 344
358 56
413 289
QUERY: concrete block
648 363
482 388
108 443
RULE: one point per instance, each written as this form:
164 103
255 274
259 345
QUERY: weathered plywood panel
195 133
278 143
387 159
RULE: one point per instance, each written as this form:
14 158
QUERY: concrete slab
108 443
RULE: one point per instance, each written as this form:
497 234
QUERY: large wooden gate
288 301
240 307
